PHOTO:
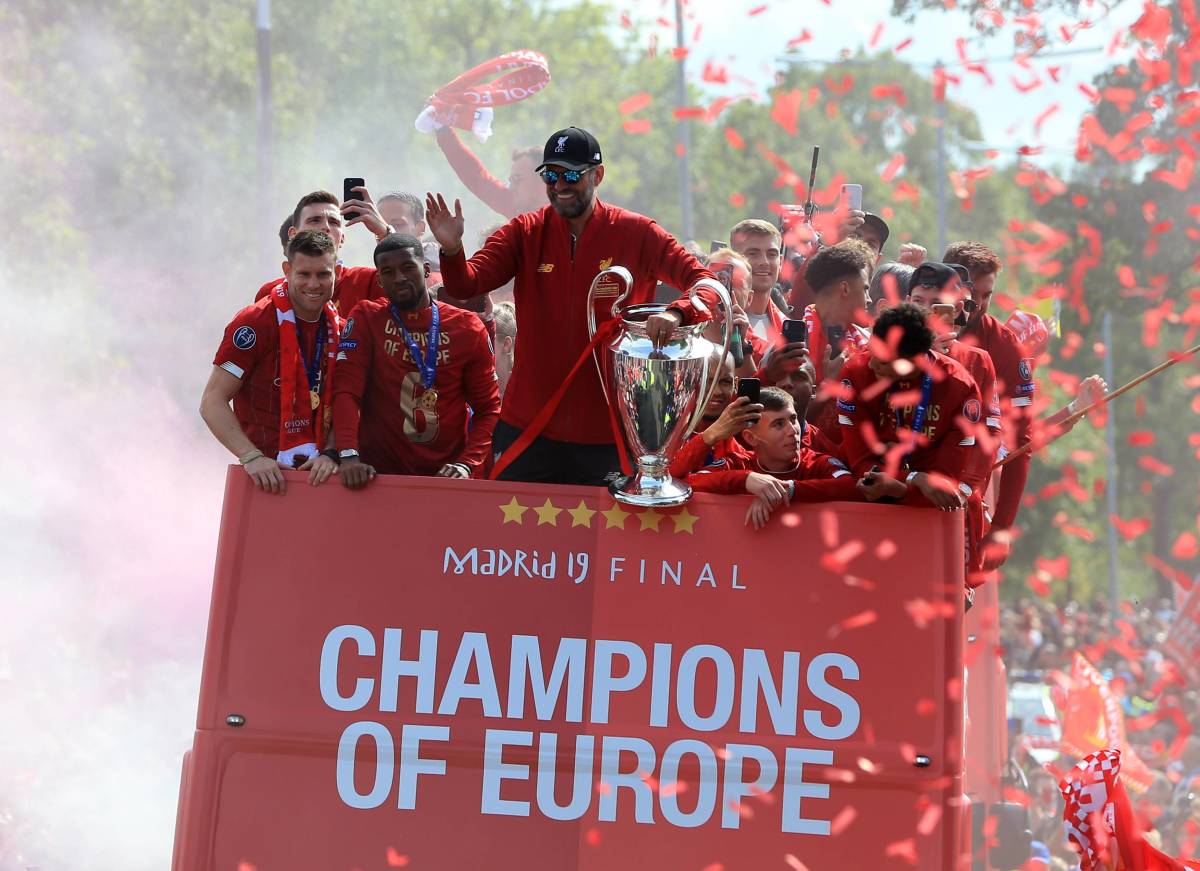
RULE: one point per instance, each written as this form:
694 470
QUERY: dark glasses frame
570 176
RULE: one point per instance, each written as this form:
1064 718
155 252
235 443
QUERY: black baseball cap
963 275
870 219
932 274
571 148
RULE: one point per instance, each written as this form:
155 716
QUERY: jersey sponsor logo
345 345
1025 369
1024 388
971 410
244 338
546 267
846 393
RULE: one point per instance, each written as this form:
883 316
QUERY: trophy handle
621 274
707 385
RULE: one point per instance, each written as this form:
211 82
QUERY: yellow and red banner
442 674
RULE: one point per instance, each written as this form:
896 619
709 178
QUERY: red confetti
757 10
592 837
786 110
396 860
635 103
734 139
1185 547
893 167
842 821
637 126
1130 529
1141 438
906 850
859 620
794 863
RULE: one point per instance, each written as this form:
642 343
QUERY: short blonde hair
755 227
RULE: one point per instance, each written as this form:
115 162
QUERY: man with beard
552 255
408 368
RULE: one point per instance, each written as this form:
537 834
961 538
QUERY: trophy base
646 491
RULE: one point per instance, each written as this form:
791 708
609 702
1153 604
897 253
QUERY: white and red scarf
301 427
466 102
1100 823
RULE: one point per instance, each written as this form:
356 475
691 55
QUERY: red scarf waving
299 436
1100 822
507 79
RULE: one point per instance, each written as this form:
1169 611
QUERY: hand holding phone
852 197
349 193
795 331
749 388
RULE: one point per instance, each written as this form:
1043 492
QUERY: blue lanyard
312 368
427 364
918 423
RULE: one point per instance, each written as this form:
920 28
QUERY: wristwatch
348 454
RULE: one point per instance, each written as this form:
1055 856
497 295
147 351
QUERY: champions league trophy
659 394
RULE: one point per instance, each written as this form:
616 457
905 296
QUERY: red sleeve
350 378
690 458
267 288
492 265
472 173
854 417
719 482
483 395
843 489
676 266
1014 375
958 441
243 346
817 466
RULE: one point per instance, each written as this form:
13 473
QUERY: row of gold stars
581 515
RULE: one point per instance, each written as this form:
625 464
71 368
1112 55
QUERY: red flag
1100 823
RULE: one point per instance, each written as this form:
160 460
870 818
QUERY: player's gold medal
429 400
315 398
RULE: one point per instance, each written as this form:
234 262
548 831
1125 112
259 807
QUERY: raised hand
447 228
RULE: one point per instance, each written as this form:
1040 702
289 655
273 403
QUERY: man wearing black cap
551 256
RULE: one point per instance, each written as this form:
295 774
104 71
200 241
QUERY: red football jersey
987 437
818 477
378 405
1014 380
869 420
351 285
250 351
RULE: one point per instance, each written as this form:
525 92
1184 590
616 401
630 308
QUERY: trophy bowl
658 393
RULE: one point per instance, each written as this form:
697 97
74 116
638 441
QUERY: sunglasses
570 176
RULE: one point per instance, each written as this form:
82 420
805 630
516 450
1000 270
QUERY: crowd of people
863 379
1039 640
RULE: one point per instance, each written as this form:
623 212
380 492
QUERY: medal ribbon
302 427
427 363
312 369
918 423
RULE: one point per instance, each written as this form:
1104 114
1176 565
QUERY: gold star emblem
649 519
685 521
614 517
514 511
581 515
547 514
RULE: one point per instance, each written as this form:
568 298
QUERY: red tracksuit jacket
551 275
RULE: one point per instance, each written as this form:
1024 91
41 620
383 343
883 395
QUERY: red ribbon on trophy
467 101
